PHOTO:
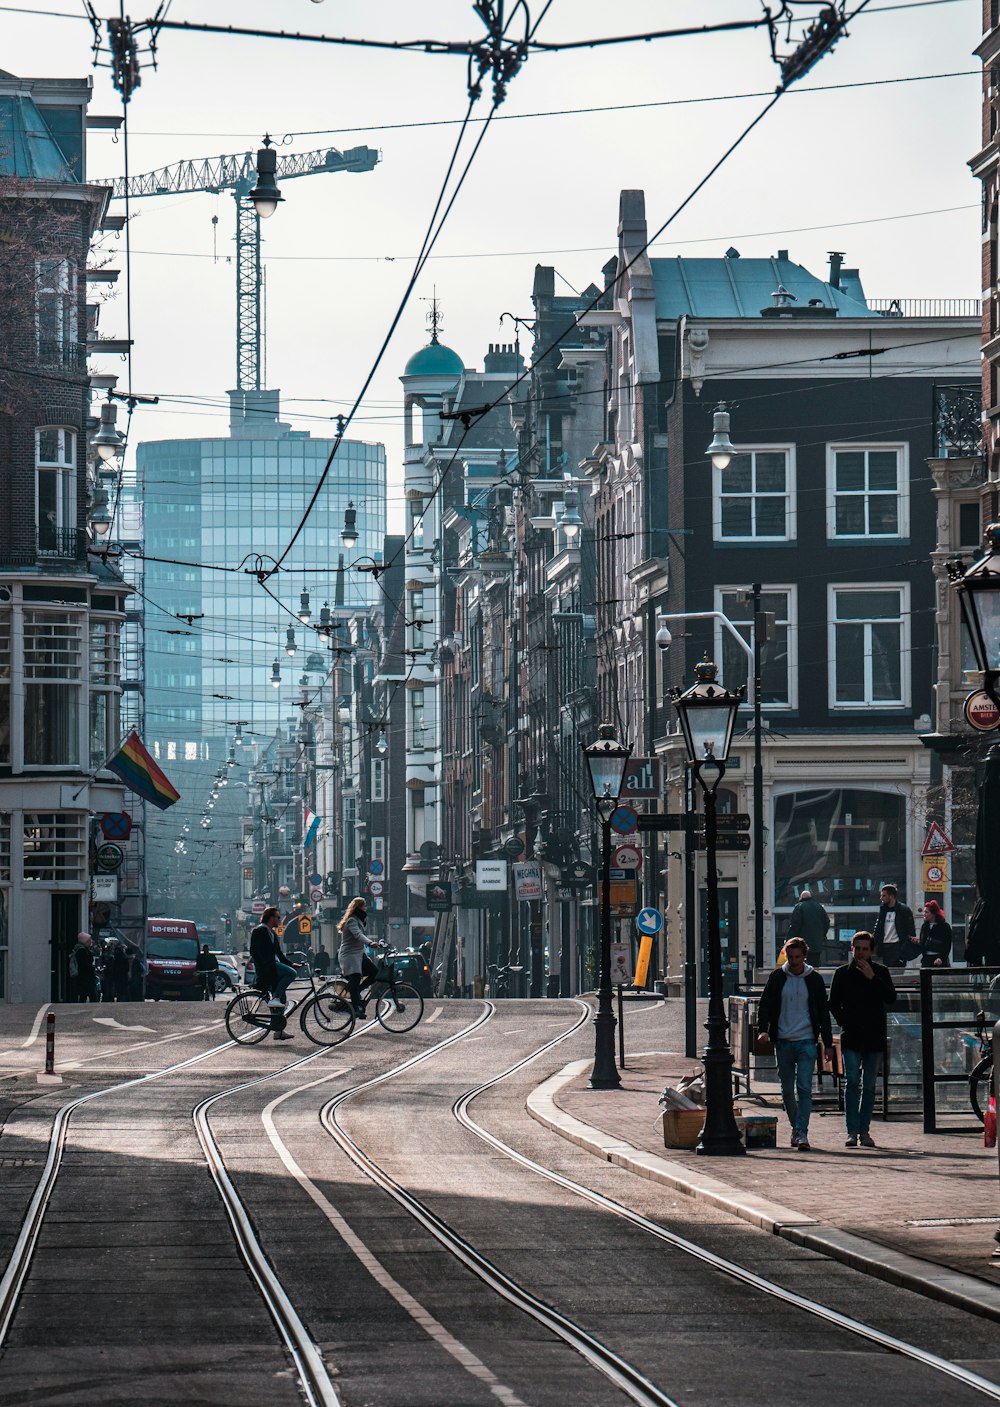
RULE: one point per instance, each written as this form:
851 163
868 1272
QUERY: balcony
958 429
926 307
68 543
55 352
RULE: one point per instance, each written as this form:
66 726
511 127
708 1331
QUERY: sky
879 172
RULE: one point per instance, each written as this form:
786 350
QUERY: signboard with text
642 778
527 880
491 875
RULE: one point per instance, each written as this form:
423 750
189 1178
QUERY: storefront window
842 845
53 667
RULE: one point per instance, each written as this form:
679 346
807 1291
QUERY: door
64 927
729 933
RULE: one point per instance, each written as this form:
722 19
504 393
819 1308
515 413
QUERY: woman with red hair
935 937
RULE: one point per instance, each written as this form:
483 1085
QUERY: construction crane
238 174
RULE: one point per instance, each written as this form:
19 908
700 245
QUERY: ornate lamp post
978 589
707 713
607 759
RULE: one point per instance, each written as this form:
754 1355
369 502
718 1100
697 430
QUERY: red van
171 958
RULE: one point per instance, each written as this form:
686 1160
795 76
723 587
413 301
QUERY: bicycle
497 981
981 1075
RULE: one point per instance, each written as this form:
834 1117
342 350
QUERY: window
378 779
869 647
55 310
55 488
378 848
779 675
55 846
53 669
5 687
754 499
104 664
970 532
867 491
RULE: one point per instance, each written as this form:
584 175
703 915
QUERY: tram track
624 1375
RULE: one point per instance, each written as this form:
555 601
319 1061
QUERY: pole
720 1137
690 939
621 1030
758 787
50 1043
605 1073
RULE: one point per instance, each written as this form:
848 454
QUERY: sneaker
866 1140
803 1145
283 1036
852 1141
795 1140
276 1003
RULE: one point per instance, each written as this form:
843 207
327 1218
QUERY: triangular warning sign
936 841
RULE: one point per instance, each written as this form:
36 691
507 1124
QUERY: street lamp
722 449
707 713
108 441
304 613
265 195
569 519
979 596
275 675
290 641
607 759
349 532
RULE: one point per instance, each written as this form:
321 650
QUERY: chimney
836 261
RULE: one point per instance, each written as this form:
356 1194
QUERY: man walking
208 965
82 971
273 971
793 1017
860 993
809 920
895 932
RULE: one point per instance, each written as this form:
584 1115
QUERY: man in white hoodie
793 1017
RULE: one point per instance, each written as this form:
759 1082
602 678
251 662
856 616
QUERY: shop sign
491 875
642 778
527 880
104 889
981 712
438 897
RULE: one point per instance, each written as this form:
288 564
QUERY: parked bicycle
497 981
981 1075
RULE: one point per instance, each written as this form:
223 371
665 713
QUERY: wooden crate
681 1127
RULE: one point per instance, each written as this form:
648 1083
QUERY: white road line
34 1032
113 1021
142 1045
431 1326
434 1015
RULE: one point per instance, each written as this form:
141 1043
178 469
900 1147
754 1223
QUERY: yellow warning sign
936 874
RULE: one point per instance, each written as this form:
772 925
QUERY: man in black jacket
793 1016
860 992
809 920
895 932
272 970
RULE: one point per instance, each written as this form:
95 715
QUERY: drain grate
955 1221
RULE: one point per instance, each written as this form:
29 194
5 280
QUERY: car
411 966
227 979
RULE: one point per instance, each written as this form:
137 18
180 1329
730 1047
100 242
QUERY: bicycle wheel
979 1086
248 1018
326 1019
399 1008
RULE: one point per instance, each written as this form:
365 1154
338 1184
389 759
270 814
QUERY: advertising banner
527 880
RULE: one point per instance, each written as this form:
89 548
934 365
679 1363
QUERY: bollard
50 1043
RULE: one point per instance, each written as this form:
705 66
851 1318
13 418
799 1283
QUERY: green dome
434 360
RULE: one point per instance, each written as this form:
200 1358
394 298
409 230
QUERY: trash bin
552 985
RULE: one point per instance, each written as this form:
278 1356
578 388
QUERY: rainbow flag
140 773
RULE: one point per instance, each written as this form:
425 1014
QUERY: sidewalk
866 1216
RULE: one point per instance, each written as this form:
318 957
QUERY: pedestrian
82 973
137 977
793 1017
208 965
119 972
935 937
272 970
894 930
809 920
354 963
860 994
321 965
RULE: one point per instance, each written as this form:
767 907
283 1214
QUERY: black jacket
859 1003
899 954
769 1010
935 942
265 950
810 921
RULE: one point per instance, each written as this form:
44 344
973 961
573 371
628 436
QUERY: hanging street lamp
978 590
607 759
349 533
265 195
721 450
707 714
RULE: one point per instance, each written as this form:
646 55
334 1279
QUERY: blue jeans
285 975
861 1069
796 1063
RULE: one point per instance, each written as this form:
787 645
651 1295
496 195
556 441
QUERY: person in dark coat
935 937
860 993
119 972
894 930
85 979
137 977
272 970
809 920
208 965
321 962
793 1017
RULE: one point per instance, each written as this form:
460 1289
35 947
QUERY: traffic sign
315 879
627 857
649 920
981 712
936 841
936 875
109 857
315 894
116 825
376 867
623 820
375 886
723 842
733 821
305 925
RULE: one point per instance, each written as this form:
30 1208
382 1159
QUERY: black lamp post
607 759
979 596
707 713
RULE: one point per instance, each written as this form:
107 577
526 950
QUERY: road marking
434 1015
141 1045
34 1032
431 1326
112 1021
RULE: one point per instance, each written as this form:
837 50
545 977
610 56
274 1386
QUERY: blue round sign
624 820
315 879
376 868
649 920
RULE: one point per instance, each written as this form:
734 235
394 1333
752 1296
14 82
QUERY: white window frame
65 466
56 279
902 451
378 779
791 592
902 588
791 499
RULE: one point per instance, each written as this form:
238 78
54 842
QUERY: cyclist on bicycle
273 971
354 962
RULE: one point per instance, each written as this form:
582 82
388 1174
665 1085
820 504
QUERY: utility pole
760 632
